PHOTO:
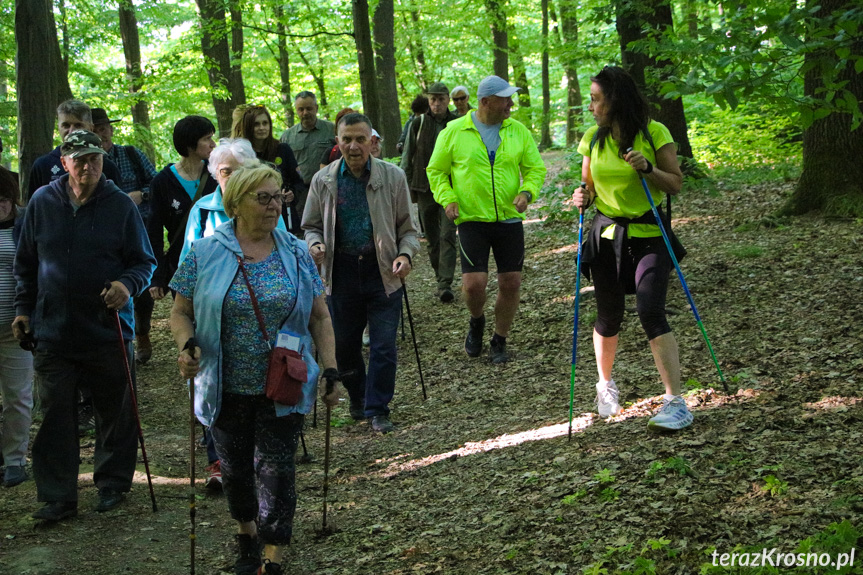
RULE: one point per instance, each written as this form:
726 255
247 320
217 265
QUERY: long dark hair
268 153
627 106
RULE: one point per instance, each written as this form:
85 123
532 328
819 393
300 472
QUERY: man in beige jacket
358 226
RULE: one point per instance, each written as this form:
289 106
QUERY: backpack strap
135 159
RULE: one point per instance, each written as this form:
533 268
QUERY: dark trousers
441 237
55 449
144 305
257 451
358 298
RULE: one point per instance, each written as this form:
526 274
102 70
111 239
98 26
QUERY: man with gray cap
461 99
82 254
440 231
485 170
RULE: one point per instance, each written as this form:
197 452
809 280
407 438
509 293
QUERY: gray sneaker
14 475
607 399
673 415
382 424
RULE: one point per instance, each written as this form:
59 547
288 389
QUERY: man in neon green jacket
485 170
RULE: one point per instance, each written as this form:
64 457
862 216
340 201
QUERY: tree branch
278 33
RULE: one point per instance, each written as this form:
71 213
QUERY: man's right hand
21 327
452 211
157 292
319 252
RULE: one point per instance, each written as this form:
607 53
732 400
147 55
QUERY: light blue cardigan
217 266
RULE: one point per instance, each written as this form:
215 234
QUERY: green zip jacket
460 170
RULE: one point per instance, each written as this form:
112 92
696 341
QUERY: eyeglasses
264 198
459 99
226 172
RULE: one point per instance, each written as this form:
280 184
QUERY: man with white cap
485 170
461 99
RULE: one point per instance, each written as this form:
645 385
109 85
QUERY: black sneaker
446 295
358 410
270 568
497 351
248 555
56 511
473 341
382 424
109 499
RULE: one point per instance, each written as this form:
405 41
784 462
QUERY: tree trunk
519 70
632 17
41 82
217 59
318 75
419 56
284 67
832 177
390 116
366 60
235 80
497 17
569 31
545 133
132 52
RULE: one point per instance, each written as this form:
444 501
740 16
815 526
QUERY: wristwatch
529 195
145 196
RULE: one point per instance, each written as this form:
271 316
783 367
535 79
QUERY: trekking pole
305 457
191 344
575 314
414 337
403 322
680 276
134 401
331 376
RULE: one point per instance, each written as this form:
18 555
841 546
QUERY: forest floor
482 478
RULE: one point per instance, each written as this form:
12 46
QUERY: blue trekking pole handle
680 275
575 315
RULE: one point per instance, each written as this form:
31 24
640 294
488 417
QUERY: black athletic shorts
506 240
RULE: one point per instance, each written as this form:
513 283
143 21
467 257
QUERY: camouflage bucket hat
80 143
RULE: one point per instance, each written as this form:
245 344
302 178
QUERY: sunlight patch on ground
832 403
140 478
507 440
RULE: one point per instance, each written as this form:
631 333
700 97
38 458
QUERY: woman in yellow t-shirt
625 252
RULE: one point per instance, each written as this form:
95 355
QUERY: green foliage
675 465
573 498
604 476
609 495
775 486
746 252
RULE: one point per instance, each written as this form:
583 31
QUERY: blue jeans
358 297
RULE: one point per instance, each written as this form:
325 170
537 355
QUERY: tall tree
497 17
366 60
832 177
635 20
545 137
385 65
132 52
41 81
285 96
569 57
223 67
415 43
519 70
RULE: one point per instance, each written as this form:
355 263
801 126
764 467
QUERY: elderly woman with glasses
256 438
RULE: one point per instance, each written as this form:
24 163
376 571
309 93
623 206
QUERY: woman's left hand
637 160
330 389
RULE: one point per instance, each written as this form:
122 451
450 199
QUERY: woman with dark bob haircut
256 126
624 252
173 192
244 285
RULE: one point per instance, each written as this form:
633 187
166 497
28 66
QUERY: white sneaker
607 395
672 415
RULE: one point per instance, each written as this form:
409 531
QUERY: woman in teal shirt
624 252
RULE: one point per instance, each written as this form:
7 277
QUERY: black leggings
652 265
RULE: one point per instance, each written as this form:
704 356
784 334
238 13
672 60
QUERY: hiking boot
248 555
382 424
214 482
445 295
673 415
358 410
109 499
270 568
497 351
56 511
607 396
15 475
143 348
473 341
